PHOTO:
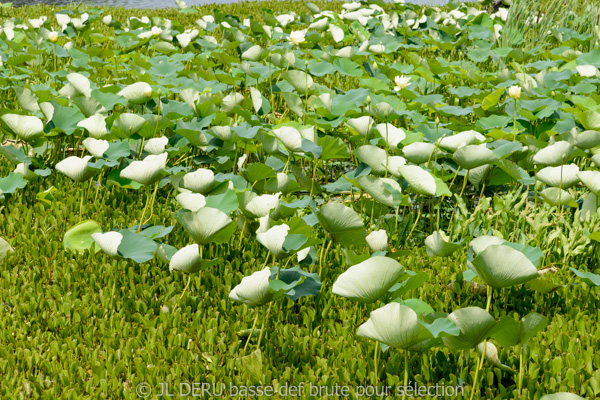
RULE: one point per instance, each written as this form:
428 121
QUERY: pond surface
148 3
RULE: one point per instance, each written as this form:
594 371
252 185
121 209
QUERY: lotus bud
68 46
375 66
53 37
437 120
107 20
514 92
368 99
378 240
148 91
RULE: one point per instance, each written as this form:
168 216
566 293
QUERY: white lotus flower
25 127
253 290
199 181
587 71
146 171
261 206
187 259
109 242
156 145
290 137
273 239
96 147
392 135
95 125
24 170
53 36
378 240
368 280
191 201
297 37
76 168
401 82
514 92
156 31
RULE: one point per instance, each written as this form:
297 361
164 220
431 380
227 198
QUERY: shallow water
147 3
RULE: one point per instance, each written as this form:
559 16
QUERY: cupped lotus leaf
187 259
80 83
591 179
95 125
512 333
596 159
199 181
260 206
376 188
590 206
254 53
558 197
26 127
390 134
479 174
222 132
24 170
5 248
395 325
439 244
137 93
156 145
461 139
79 237
146 171
76 168
562 396
393 163
502 266
274 238
372 156
96 147
587 139
207 225
588 277
300 80
361 125
369 280
342 223
554 155
109 242
336 32
290 137
231 101
481 243
420 152
491 356
473 156
253 290
475 325
378 240
191 201
421 181
27 99
127 124
563 176
136 246
281 183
